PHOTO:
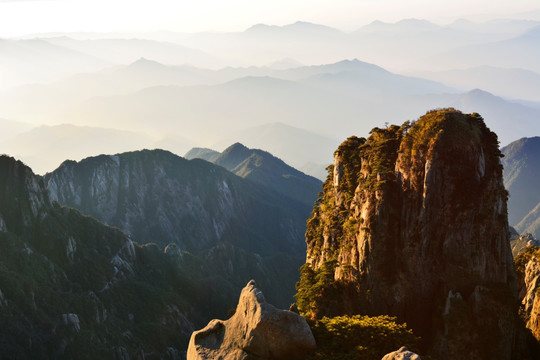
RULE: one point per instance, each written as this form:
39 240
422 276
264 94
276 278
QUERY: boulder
402 354
257 330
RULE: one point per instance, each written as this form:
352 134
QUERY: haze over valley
374 160
178 90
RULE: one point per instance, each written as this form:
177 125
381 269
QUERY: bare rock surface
402 354
528 271
257 330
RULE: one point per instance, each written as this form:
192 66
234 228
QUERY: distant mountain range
318 103
521 173
331 104
492 79
36 60
294 145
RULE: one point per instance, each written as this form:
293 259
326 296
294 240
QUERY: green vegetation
521 260
360 337
315 288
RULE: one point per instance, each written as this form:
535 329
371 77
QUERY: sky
19 17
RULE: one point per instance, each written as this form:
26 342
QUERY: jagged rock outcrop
413 223
257 330
402 354
528 275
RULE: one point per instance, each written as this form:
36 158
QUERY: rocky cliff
412 223
156 196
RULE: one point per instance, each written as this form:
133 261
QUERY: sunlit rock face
528 276
402 354
257 330
413 223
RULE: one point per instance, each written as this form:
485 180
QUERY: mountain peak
236 147
145 63
379 229
233 155
22 194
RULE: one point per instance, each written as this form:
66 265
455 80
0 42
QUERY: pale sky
18 17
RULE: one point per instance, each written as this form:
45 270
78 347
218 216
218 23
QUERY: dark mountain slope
156 196
263 168
72 287
521 177
234 229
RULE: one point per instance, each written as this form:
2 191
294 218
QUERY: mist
296 90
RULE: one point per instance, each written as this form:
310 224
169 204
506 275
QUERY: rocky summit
257 330
413 223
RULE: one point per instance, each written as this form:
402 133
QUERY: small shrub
360 337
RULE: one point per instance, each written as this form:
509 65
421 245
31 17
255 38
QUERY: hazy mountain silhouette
522 51
263 168
36 60
305 150
208 112
46 147
11 128
492 79
122 51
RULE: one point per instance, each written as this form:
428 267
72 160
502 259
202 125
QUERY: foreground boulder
257 330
